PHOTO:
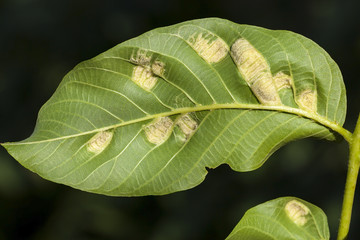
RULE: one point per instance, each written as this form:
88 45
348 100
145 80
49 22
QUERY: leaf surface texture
149 115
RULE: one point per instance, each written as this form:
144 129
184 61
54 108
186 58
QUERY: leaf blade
168 73
282 218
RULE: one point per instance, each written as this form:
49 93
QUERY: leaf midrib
313 116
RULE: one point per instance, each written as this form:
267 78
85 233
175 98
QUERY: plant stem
353 170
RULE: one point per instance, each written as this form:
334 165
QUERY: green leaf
282 218
151 114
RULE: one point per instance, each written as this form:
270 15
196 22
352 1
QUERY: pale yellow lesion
282 81
297 212
187 124
307 100
158 131
144 59
211 48
144 78
141 58
158 68
99 142
256 72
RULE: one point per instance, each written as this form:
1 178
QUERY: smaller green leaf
282 218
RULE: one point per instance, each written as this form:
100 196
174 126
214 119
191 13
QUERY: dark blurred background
41 40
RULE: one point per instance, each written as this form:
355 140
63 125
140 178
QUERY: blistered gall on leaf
141 58
297 212
212 49
307 100
187 124
159 131
144 59
256 72
144 78
282 81
158 68
99 142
